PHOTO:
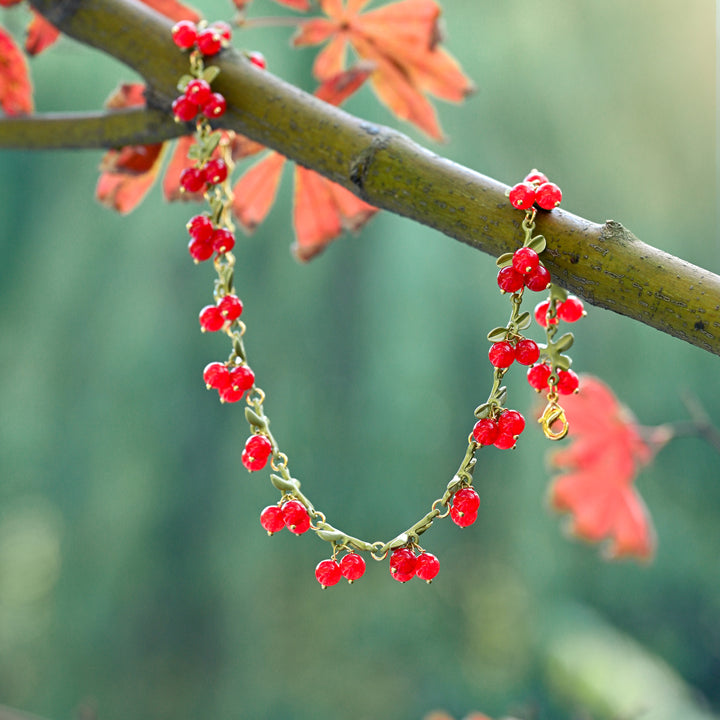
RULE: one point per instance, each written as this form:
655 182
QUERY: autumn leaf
599 467
41 34
15 84
302 5
172 9
401 41
322 209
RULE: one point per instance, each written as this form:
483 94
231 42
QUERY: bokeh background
135 580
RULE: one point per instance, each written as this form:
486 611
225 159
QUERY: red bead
505 441
184 34
540 312
230 307
242 378
548 196
466 500
271 518
511 422
462 519
230 394
257 59
200 228
510 280
216 171
296 517
571 310
215 107
485 431
402 564
568 382
522 195
527 352
536 177
538 376
192 179
538 280
183 109
525 260
216 375
223 29
200 251
211 320
198 91
427 566
328 573
352 567
256 453
223 240
501 354
209 41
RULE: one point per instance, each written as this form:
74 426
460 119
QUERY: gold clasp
552 414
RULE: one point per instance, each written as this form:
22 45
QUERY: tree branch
605 264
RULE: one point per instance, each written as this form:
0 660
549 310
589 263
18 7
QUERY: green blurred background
135 580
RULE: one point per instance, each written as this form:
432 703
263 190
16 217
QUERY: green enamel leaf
504 260
210 73
482 411
523 321
184 81
330 535
254 419
497 334
537 243
564 343
284 485
563 362
558 293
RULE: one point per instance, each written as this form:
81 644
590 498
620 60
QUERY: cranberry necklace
212 236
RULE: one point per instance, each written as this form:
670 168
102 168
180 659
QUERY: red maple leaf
41 34
322 209
401 41
607 450
15 84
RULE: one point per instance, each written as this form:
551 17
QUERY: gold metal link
282 465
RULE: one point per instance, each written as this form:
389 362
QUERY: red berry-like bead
230 307
256 453
568 382
209 41
466 500
525 260
527 351
200 228
296 517
427 566
352 567
223 240
223 29
271 518
522 195
183 109
192 179
538 280
184 34
501 354
485 431
462 519
211 320
540 313
216 375
511 422
242 378
215 107
198 91
538 376
257 59
571 310
505 441
200 251
216 171
510 280
328 573
230 394
536 177
402 564
548 196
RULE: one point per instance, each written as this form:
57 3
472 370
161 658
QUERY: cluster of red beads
539 376
291 514
570 310
464 507
405 565
535 189
230 382
504 353
198 178
216 317
257 451
329 572
207 239
526 270
208 40
501 431
199 99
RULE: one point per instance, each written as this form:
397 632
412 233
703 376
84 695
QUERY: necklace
212 236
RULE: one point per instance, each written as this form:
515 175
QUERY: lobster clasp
553 414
